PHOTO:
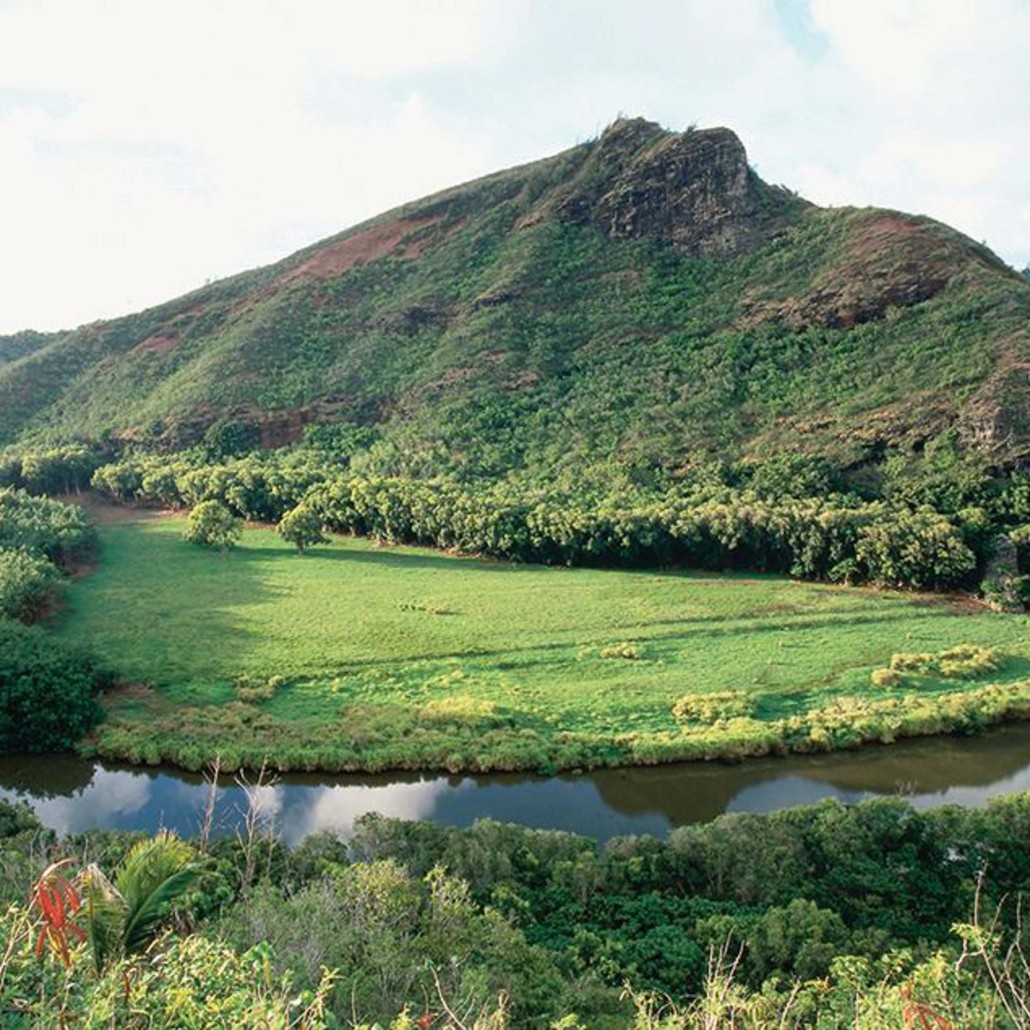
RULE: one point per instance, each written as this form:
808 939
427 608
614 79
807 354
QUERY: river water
70 794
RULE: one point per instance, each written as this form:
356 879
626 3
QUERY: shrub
47 692
623 650
27 585
884 678
249 690
303 527
961 662
211 524
967 661
709 708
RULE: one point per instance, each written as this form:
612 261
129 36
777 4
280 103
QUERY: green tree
211 524
303 527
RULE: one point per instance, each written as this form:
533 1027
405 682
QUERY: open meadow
357 656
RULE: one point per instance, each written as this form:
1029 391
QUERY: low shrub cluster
466 734
962 662
48 692
250 690
715 707
623 650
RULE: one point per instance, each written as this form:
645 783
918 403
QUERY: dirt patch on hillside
890 260
362 247
156 345
871 235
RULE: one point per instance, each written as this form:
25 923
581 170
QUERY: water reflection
70 795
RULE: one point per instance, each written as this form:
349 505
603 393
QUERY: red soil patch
890 261
155 345
871 235
362 247
169 339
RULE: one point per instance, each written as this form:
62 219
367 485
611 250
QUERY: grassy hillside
19 345
356 656
642 300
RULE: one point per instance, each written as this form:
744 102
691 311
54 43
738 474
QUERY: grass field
357 656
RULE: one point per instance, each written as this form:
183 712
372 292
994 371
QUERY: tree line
839 538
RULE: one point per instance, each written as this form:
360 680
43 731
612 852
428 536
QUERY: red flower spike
56 900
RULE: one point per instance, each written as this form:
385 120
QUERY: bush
623 650
211 524
884 678
27 585
709 708
303 527
961 662
250 690
47 692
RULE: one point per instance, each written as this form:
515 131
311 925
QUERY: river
69 794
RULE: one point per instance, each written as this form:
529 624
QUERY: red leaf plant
55 901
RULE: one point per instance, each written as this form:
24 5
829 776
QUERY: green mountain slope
17 345
643 299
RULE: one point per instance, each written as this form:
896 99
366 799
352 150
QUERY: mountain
17 345
643 299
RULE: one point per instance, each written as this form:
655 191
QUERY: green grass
406 657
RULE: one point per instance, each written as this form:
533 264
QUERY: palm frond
105 915
153 876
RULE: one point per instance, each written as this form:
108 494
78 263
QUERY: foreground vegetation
47 691
827 916
358 656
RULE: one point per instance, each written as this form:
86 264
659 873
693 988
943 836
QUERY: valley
365 656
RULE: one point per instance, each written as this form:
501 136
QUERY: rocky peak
692 189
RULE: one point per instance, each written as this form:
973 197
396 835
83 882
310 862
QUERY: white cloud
148 146
337 808
936 102
110 795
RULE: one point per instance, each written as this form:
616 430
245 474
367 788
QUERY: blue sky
149 146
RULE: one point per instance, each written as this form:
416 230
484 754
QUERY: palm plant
125 915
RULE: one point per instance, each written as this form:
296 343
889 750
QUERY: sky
149 146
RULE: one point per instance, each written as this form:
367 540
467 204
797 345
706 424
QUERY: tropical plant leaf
105 915
153 876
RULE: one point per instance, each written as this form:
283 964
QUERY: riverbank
360 657
73 795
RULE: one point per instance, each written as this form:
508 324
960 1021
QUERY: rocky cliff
693 190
